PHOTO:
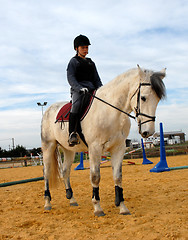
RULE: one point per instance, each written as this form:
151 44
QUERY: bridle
137 108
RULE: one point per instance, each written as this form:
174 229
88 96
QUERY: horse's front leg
116 160
95 159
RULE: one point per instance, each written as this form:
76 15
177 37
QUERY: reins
137 108
112 106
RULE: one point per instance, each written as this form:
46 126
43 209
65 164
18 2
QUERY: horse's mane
158 85
155 78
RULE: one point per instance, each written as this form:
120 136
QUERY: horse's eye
143 99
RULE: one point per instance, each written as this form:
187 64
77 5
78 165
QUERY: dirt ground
158 203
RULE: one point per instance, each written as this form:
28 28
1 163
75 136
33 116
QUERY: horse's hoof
125 213
75 204
99 214
48 208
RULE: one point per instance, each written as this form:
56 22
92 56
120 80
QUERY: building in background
170 138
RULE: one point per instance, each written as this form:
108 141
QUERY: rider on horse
83 77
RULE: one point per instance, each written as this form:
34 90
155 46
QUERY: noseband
137 108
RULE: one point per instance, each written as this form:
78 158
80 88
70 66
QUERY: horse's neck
118 91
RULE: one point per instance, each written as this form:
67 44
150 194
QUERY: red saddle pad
64 112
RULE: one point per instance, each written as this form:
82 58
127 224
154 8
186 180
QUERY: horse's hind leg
67 163
47 196
116 161
48 157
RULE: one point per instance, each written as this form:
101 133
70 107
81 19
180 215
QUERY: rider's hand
84 90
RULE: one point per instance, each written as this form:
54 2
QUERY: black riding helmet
81 40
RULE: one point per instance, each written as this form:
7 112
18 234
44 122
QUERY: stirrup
73 139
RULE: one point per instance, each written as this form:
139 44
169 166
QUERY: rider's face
82 51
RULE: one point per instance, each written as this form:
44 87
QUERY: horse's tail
56 168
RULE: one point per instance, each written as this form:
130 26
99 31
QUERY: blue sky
36 46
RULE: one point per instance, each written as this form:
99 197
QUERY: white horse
105 130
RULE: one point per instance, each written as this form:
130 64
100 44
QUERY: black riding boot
73 124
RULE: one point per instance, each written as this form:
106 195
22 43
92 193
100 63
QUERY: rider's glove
84 90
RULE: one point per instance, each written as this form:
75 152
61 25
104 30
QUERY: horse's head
144 100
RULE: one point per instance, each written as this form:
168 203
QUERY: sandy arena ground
158 203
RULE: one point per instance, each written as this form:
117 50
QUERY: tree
1 152
19 151
36 151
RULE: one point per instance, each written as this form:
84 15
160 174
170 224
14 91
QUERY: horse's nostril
145 134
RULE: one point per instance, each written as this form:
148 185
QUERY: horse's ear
163 71
161 74
141 73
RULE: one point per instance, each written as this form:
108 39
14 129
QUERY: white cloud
174 116
21 124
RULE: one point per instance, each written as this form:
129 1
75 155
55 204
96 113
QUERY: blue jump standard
145 160
81 165
162 165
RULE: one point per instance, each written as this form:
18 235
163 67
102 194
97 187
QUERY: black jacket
82 72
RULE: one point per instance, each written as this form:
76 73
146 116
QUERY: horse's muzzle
145 133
